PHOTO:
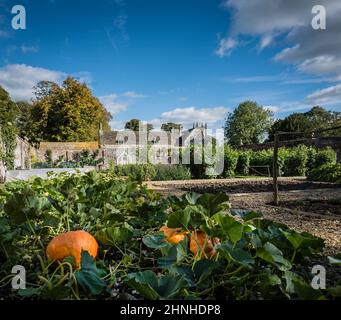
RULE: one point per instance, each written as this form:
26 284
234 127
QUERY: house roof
161 137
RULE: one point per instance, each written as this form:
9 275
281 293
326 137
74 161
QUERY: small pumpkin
200 244
71 244
174 236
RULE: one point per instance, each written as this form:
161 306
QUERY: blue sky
179 60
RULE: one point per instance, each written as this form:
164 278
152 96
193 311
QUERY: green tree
169 126
247 124
66 113
8 131
316 119
136 124
23 121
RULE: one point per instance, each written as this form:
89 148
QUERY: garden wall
64 149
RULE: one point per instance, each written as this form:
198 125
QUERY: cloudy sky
180 60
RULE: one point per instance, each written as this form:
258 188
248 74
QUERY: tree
316 119
8 130
247 124
44 88
66 113
23 121
169 126
136 125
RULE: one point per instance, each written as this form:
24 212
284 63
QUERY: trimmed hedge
326 173
159 172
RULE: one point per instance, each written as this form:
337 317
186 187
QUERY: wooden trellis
275 167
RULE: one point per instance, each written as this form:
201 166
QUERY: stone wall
23 153
64 149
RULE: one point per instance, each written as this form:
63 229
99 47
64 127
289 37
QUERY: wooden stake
275 169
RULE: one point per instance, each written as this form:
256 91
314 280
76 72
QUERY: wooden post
275 170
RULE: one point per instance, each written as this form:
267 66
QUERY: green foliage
295 161
255 258
169 126
316 119
247 124
243 164
8 130
137 172
326 173
66 113
80 159
230 162
171 172
136 125
323 157
262 161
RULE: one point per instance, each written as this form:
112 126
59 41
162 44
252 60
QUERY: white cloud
112 104
19 79
313 51
187 116
133 95
117 125
226 45
273 109
327 96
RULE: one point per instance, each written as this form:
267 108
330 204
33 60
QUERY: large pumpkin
200 244
71 244
173 236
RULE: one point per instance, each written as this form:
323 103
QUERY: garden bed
204 250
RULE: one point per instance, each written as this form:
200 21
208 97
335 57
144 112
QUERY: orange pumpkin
173 236
71 244
200 244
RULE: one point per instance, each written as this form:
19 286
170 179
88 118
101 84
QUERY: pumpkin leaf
273 255
237 255
89 276
179 219
155 241
306 291
303 240
213 203
25 205
113 235
192 197
247 215
152 287
232 227
144 282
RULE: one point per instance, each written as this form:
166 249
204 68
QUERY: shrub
230 162
171 172
243 163
261 159
137 172
295 161
326 173
320 157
